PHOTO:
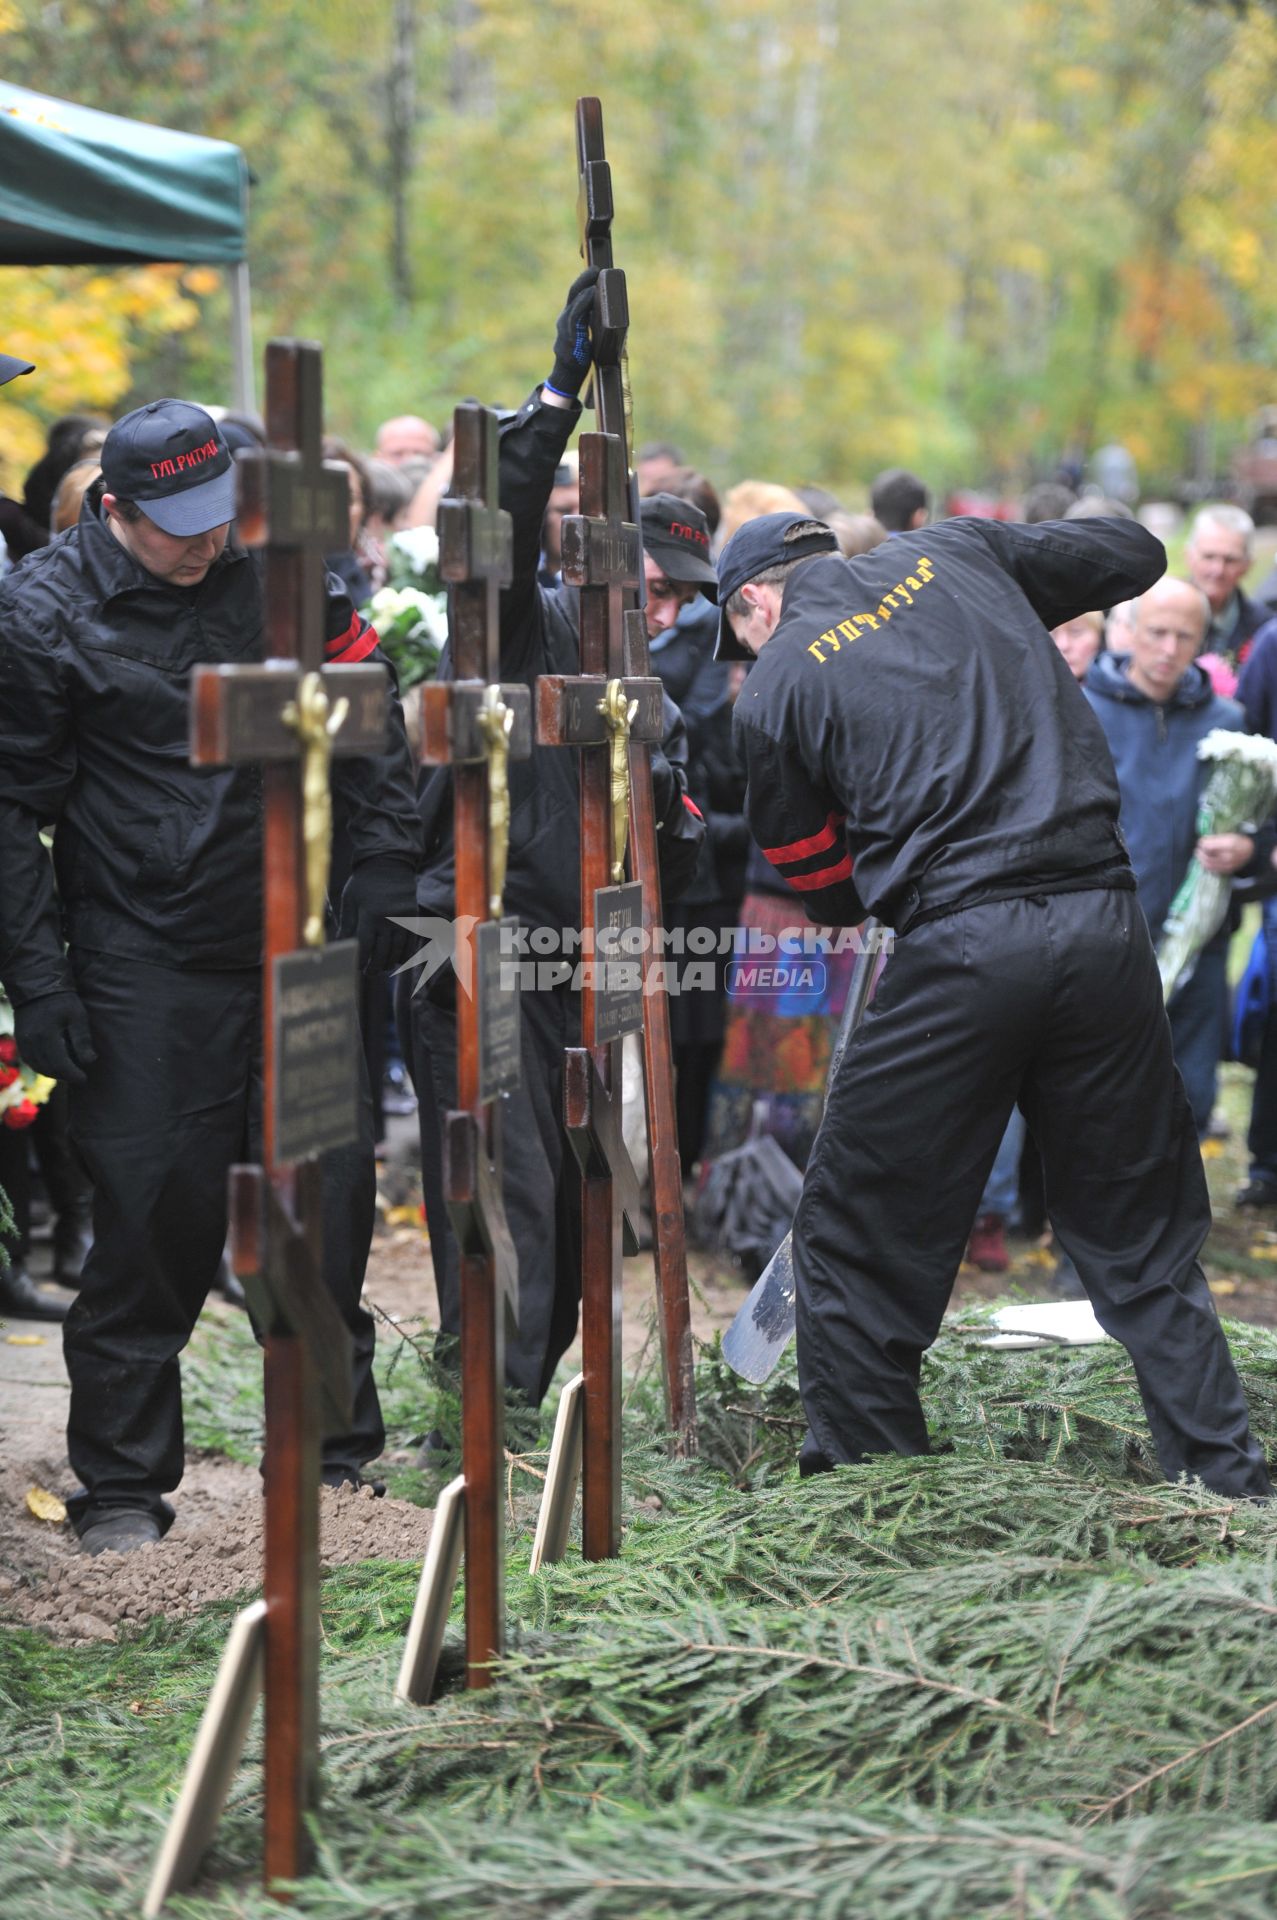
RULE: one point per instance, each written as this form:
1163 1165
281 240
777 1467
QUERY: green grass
1019 1676
222 1400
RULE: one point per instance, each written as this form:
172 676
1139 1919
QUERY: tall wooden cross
594 217
475 725
288 716
600 712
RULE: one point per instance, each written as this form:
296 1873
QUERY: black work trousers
1053 1000
542 1186
173 1100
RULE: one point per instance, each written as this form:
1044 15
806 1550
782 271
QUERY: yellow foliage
1080 80
202 280
848 245
45 1505
80 326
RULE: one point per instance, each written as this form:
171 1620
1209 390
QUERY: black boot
21 1299
120 1533
72 1238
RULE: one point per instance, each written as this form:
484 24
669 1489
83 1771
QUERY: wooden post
288 716
594 214
601 557
475 725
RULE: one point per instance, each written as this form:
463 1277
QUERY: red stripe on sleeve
354 645
803 849
825 877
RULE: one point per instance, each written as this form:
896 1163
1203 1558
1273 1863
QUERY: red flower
8 1050
7 1077
20 1115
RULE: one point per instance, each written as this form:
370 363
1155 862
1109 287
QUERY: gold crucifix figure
315 724
496 723
619 712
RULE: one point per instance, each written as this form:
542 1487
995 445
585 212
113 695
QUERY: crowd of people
863 714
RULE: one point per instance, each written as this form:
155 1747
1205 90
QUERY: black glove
52 1036
374 892
572 350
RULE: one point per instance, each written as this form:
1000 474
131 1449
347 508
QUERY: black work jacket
911 715
698 686
540 634
155 859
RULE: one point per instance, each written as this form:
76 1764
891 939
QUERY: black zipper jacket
540 633
912 714
155 859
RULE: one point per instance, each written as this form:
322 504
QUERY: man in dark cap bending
909 717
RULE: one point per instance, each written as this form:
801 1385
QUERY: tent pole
244 390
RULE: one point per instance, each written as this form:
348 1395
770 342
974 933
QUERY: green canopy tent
80 187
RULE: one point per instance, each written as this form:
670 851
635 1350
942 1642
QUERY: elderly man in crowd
1218 555
1155 703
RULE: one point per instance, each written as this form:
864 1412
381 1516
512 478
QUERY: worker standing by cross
138 981
540 643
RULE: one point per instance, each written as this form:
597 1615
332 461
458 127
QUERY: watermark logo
444 943
799 981
790 966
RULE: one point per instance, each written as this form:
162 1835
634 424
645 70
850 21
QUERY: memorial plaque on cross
289 715
611 398
475 725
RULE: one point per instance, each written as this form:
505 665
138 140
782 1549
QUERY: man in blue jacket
1154 705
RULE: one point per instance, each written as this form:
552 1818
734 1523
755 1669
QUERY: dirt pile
212 1552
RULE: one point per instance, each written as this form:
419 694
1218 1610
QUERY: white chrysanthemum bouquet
1237 798
410 612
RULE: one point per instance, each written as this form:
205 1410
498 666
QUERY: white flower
385 600
1252 749
434 615
419 546
410 610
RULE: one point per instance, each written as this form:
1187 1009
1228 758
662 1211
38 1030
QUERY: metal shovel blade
761 1331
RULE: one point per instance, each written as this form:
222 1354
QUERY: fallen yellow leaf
1222 1286
403 1217
1212 1149
45 1506
1262 1250
24 1340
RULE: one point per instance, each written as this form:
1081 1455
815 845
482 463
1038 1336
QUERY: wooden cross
601 556
474 724
594 216
282 715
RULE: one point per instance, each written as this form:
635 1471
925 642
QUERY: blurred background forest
966 236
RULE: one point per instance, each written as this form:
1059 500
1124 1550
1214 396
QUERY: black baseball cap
753 549
11 368
677 534
173 460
